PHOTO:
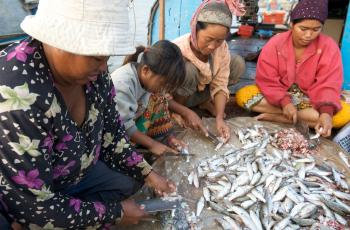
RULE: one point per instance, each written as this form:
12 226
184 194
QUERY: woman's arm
142 139
325 92
221 59
221 126
220 104
268 78
154 146
191 118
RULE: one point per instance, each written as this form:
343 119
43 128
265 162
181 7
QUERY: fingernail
142 206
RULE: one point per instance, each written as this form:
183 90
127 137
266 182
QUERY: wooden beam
161 19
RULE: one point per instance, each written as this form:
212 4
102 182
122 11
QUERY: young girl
141 84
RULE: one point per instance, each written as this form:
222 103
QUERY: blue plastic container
345 50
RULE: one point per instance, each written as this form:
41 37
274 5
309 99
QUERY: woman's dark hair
296 21
201 26
204 25
164 58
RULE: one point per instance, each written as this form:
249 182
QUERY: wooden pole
161 19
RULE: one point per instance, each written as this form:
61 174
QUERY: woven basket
343 138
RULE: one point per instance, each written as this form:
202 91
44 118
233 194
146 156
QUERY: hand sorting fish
260 186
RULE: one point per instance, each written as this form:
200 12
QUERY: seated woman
209 66
299 74
66 162
139 85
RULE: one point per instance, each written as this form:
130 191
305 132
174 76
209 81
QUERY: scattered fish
264 185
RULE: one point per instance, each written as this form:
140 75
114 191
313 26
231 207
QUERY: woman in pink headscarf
210 68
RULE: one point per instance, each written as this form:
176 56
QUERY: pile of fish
258 186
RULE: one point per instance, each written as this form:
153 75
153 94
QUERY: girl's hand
324 125
159 149
195 122
133 212
223 129
160 184
179 120
176 143
290 112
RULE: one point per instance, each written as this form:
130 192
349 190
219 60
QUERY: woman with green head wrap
209 66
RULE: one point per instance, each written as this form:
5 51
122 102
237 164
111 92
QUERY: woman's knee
190 84
237 68
4 223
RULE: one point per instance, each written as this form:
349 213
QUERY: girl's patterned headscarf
217 12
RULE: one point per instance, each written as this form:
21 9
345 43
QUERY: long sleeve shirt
319 74
43 151
218 78
132 99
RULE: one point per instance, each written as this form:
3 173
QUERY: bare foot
272 117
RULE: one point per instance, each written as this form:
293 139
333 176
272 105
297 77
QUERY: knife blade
160 204
303 128
169 154
212 138
181 154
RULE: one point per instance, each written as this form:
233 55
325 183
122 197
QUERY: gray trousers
104 184
190 86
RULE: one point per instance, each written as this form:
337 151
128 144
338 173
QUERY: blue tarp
346 52
12 12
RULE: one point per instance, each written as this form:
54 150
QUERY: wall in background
138 15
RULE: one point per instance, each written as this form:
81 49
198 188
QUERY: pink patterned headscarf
235 6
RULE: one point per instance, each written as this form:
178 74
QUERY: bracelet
146 175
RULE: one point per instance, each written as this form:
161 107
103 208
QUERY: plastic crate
245 31
343 138
273 18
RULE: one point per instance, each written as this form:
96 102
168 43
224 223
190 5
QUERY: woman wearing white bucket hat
66 161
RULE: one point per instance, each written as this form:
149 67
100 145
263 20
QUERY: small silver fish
241 191
304 222
247 204
233 224
200 206
344 158
307 211
282 224
190 178
256 220
223 223
206 194
247 220
195 180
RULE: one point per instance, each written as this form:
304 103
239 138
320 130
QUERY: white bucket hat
84 27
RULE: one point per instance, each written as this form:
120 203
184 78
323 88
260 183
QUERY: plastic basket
245 31
343 138
273 18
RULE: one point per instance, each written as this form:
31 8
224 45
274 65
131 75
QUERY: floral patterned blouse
42 150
